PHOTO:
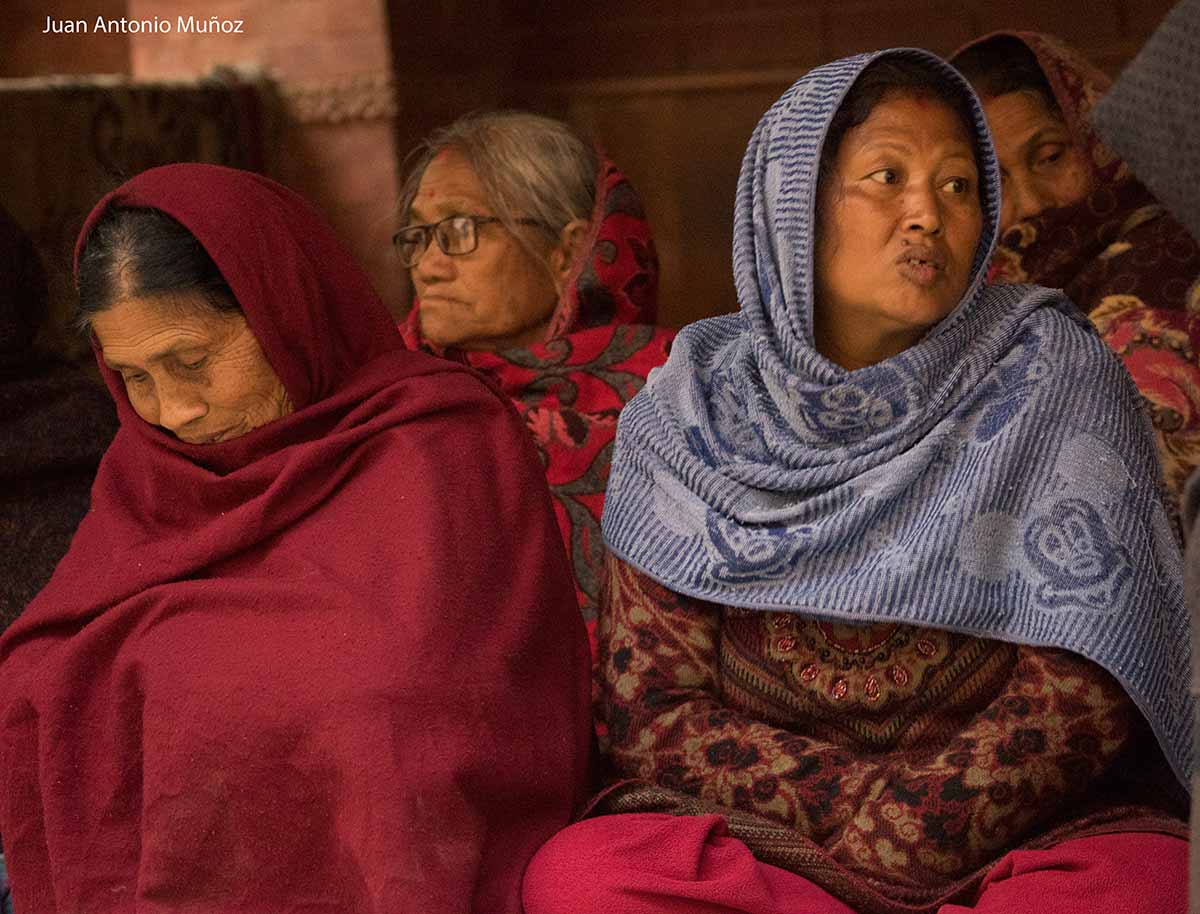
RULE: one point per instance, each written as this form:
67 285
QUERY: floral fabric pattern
1122 258
913 757
570 392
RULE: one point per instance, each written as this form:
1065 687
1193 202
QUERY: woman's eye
134 378
957 185
1049 155
884 176
195 365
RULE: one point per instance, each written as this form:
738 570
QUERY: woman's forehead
1020 113
911 121
448 184
134 315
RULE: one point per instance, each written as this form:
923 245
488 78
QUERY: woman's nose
433 265
1020 199
179 405
922 213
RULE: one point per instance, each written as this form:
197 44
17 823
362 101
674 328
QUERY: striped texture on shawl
1151 115
998 478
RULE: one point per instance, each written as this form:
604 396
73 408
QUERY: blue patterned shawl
998 478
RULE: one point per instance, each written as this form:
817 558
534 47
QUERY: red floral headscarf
600 346
1123 260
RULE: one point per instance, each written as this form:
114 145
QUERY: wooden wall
25 51
330 59
672 89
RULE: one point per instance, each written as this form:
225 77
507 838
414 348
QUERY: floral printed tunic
914 757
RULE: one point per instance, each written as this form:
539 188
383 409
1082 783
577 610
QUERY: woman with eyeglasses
532 261
892 619
315 648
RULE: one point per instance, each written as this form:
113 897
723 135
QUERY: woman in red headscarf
1075 218
315 646
533 262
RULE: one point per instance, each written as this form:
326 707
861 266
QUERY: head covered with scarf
275 670
996 478
1101 236
599 340
1080 187
1049 78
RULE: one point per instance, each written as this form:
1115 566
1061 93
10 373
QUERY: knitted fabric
1150 116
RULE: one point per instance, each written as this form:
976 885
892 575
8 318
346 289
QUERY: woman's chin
441 333
923 308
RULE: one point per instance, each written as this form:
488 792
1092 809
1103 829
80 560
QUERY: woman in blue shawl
892 619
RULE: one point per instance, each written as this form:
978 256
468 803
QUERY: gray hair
531 167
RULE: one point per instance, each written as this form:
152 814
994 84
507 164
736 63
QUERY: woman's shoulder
1149 255
1048 311
424 406
433 376
1059 350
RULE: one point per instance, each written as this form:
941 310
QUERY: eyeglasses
455 235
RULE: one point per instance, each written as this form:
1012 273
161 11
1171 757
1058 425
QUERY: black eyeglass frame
429 232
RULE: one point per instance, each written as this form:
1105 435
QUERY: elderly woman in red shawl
1076 218
532 261
315 646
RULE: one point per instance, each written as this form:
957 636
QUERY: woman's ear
562 257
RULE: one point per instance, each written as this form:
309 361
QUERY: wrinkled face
899 222
197 372
496 297
1041 165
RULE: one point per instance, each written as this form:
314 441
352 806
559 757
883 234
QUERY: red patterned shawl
1123 260
332 665
600 346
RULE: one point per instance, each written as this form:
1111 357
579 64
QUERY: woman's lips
209 439
921 264
438 300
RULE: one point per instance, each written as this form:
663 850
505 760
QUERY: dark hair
1002 65
882 79
142 252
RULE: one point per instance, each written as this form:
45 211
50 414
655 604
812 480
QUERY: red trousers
651 863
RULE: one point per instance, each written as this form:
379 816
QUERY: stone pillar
332 61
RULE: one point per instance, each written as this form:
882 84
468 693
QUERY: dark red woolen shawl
334 665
